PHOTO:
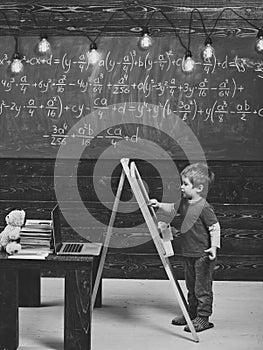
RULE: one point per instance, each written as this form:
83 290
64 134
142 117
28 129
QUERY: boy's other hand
212 253
154 203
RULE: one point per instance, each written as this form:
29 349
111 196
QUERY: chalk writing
54 109
133 60
221 98
86 134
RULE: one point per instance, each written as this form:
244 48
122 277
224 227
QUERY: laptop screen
56 232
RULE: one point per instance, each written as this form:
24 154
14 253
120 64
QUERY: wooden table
29 281
78 291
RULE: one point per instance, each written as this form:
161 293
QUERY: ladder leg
179 296
107 240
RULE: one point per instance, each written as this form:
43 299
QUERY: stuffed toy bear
10 236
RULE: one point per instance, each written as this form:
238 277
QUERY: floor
136 315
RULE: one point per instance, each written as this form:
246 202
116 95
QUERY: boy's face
188 190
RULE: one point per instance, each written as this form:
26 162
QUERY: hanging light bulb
44 47
16 65
259 42
146 41
188 63
93 54
208 51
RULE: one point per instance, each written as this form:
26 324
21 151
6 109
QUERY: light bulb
259 43
208 51
188 63
93 54
44 47
145 41
16 65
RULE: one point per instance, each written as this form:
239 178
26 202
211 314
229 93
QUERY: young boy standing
200 239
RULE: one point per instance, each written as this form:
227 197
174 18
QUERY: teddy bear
10 236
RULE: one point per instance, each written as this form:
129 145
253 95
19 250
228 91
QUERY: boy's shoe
180 320
200 324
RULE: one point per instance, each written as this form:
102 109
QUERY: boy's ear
200 188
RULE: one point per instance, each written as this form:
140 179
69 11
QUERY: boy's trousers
199 282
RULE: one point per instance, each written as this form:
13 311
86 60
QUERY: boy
200 238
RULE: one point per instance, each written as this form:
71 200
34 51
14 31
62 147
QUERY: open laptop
69 248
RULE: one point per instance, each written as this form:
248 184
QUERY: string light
259 42
44 47
208 51
146 41
188 64
93 55
16 65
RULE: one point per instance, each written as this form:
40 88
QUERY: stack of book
35 236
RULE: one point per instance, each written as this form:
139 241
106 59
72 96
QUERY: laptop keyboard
72 248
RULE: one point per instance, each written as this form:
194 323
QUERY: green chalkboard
131 97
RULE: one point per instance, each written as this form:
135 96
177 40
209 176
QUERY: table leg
9 332
77 319
29 288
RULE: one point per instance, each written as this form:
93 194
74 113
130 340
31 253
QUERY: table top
64 261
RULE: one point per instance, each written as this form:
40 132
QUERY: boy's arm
215 235
215 240
165 208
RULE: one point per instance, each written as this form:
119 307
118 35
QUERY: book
38 224
35 236
29 254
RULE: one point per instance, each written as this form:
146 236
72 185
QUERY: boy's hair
199 174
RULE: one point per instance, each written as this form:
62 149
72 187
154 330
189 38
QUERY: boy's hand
154 203
212 253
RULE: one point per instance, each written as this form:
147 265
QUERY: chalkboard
132 96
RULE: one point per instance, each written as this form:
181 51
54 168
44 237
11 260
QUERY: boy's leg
204 268
190 281
204 285
190 284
